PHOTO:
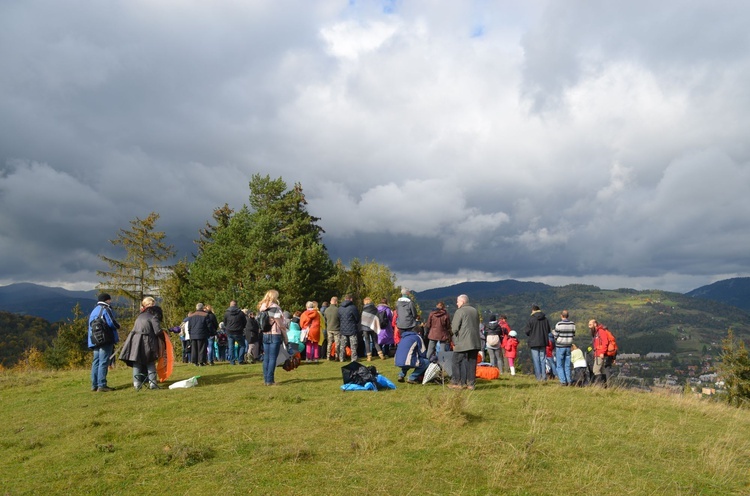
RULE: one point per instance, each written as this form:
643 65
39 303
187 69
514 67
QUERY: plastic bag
187 383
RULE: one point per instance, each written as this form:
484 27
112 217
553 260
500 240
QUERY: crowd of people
339 331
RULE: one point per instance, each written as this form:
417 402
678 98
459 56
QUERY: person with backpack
438 330
385 319
370 325
275 337
102 349
602 354
493 338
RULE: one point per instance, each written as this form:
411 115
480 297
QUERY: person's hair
208 308
315 304
383 301
310 304
564 314
367 300
503 316
404 290
334 300
148 302
297 313
271 297
199 307
535 307
573 346
463 298
233 303
440 305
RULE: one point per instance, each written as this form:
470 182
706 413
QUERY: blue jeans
210 348
143 372
271 347
236 354
100 365
538 356
418 370
563 365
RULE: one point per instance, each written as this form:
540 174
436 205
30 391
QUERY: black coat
349 318
234 321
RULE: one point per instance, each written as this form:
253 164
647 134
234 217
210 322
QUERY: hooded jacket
406 313
234 321
142 344
538 329
439 325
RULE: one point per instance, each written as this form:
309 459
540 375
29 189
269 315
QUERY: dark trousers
465 367
198 349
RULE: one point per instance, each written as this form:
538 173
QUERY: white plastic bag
187 383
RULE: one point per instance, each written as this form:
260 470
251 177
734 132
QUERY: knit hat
103 297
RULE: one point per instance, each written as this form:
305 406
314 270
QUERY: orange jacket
601 341
311 319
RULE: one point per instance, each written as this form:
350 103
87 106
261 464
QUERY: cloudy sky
598 142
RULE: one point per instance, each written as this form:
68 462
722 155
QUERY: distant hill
481 290
643 321
735 292
50 303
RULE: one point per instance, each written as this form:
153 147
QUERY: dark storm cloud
564 142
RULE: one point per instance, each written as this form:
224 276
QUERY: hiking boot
104 389
369 357
381 355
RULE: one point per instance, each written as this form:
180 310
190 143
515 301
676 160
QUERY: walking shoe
409 381
104 389
400 379
454 386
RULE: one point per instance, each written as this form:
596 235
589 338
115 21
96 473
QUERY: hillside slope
735 292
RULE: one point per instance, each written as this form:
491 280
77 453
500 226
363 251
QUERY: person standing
311 321
275 338
538 329
333 327
510 345
467 342
438 329
406 312
199 326
349 325
102 352
213 330
234 324
564 332
602 364
141 348
385 319
493 337
252 337
370 328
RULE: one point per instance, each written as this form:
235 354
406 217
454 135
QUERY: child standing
511 350
579 366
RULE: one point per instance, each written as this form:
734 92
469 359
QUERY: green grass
232 435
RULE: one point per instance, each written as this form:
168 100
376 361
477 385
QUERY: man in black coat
538 329
200 328
349 324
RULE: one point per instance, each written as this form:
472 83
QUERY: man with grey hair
333 327
467 341
200 329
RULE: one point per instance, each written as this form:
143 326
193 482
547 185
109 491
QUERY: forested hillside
642 320
21 332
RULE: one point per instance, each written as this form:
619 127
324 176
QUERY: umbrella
432 372
166 361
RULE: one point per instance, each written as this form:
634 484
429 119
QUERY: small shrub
735 370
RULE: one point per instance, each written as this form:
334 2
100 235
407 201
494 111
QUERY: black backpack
101 333
383 318
264 321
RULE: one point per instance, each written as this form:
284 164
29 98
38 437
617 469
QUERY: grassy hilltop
232 435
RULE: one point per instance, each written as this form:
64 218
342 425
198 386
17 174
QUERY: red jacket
601 341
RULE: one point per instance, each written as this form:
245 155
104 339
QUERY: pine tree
140 272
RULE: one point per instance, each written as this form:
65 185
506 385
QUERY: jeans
371 339
496 358
419 370
538 356
465 367
434 347
210 348
143 371
236 354
271 347
563 365
100 365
